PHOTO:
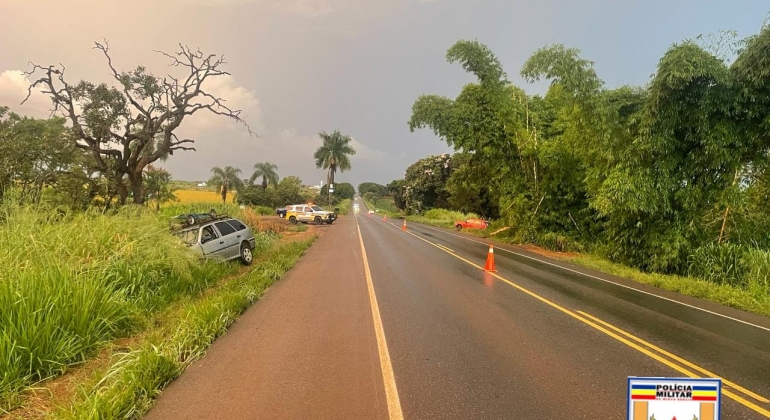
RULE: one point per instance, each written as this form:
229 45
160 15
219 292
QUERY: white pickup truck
307 213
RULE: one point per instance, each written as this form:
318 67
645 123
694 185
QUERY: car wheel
318 220
459 227
190 220
246 255
293 220
330 221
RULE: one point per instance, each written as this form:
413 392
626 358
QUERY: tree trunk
264 183
122 193
137 187
724 222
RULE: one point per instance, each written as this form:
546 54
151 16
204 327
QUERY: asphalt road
436 337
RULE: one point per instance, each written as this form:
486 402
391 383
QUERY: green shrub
719 263
263 210
556 242
757 271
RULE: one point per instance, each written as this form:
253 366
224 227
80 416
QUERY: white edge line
388 377
604 280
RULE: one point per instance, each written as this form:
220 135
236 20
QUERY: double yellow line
730 389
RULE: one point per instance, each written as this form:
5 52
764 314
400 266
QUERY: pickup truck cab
309 213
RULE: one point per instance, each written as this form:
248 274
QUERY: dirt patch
547 253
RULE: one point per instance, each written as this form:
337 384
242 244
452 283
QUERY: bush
450 216
264 211
719 263
556 242
756 264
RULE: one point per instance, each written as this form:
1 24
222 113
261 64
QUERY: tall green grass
70 282
384 205
128 388
441 217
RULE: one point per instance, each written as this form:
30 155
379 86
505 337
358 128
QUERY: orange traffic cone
385 218
490 265
403 227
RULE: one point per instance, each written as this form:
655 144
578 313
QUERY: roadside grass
344 206
127 389
749 290
384 205
297 228
83 280
757 301
441 217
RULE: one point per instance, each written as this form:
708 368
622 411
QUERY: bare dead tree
131 125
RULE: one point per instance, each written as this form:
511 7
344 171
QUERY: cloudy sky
304 66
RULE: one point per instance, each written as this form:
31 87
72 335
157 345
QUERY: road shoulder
307 349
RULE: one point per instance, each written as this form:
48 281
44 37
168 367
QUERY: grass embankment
746 285
127 389
344 206
384 205
83 280
441 217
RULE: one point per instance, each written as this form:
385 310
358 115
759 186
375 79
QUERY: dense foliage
288 191
659 177
372 187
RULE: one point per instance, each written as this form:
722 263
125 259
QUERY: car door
306 213
232 243
212 243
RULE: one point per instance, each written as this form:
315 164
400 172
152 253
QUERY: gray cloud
304 66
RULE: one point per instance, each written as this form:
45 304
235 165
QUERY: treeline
291 191
671 177
40 162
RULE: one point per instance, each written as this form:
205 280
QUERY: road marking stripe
389 379
446 248
678 359
633 345
604 280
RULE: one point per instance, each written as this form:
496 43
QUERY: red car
471 224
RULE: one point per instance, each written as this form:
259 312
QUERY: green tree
226 180
128 127
289 191
371 197
342 190
396 188
268 172
254 195
158 186
425 183
373 187
334 154
34 154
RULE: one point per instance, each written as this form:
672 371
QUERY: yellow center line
631 344
389 379
679 359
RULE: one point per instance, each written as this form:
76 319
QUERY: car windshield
190 237
316 208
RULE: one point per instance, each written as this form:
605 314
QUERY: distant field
193 196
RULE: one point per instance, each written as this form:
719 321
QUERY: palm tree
267 171
225 179
334 153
